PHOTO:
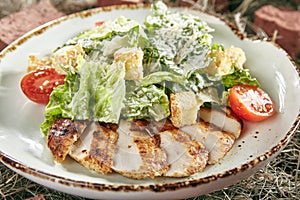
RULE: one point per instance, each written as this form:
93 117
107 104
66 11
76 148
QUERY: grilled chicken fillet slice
62 135
217 142
185 155
138 154
141 149
224 118
95 148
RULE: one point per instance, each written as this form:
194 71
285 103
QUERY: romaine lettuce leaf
101 92
198 81
110 36
146 102
109 88
158 77
81 100
241 76
60 98
109 28
96 93
181 40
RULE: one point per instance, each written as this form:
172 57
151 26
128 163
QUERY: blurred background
279 20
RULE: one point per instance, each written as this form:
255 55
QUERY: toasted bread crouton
34 62
133 59
237 56
184 108
223 62
66 57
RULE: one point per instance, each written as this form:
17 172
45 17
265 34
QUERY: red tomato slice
251 103
38 84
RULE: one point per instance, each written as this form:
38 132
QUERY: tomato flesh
38 84
251 103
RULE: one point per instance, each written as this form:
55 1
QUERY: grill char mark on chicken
138 154
96 148
62 135
140 148
186 156
218 143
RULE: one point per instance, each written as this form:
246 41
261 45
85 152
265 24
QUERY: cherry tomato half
38 84
251 103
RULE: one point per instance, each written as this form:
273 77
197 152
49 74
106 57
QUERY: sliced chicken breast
217 142
138 154
62 135
185 155
96 148
140 149
223 118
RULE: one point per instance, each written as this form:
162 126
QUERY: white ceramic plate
23 149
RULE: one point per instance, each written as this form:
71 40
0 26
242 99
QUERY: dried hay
278 180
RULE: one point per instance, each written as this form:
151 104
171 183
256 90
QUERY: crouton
223 62
34 62
133 59
66 57
184 108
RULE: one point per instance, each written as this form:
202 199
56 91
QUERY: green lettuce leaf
148 102
60 97
110 36
239 77
109 28
181 40
101 92
158 77
96 93
109 92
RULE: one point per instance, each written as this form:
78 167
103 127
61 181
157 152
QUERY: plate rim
17 165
